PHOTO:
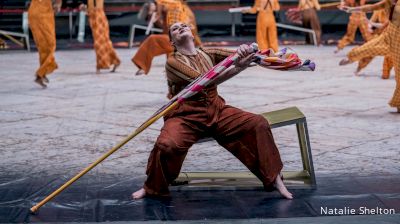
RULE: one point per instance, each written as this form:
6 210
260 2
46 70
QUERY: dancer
357 20
376 26
41 22
168 13
310 18
266 31
386 44
105 52
247 136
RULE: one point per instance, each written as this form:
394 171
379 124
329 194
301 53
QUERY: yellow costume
386 44
41 22
357 20
266 33
105 52
379 16
172 11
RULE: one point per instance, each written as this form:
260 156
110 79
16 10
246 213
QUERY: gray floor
81 115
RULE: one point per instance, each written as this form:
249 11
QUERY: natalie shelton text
357 211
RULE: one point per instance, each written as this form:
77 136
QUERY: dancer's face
179 32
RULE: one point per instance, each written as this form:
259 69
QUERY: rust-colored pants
105 52
247 136
386 44
356 21
41 22
154 45
266 31
310 20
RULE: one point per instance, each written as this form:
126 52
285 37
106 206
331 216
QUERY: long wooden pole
115 148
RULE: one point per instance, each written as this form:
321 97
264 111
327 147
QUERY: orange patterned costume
379 16
357 20
41 22
105 52
157 44
386 44
266 34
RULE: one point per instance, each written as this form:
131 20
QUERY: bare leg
141 193
97 71
280 186
398 109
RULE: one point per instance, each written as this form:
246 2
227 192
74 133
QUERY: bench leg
305 149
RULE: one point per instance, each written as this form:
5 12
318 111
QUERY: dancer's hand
246 56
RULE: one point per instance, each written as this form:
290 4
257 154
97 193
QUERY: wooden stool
245 179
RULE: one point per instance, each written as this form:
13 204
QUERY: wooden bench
245 179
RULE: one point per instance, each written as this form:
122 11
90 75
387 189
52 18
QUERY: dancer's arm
317 5
276 6
246 56
365 8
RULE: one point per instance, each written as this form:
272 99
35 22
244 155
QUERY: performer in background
357 20
42 25
105 52
247 136
266 31
386 44
376 26
310 18
167 12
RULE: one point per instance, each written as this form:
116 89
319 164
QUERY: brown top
182 69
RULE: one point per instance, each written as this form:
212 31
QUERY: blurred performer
376 27
310 18
105 52
357 20
42 24
266 31
386 44
167 12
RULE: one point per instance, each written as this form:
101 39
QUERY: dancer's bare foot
336 51
280 186
139 194
114 68
139 72
97 71
344 61
39 81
